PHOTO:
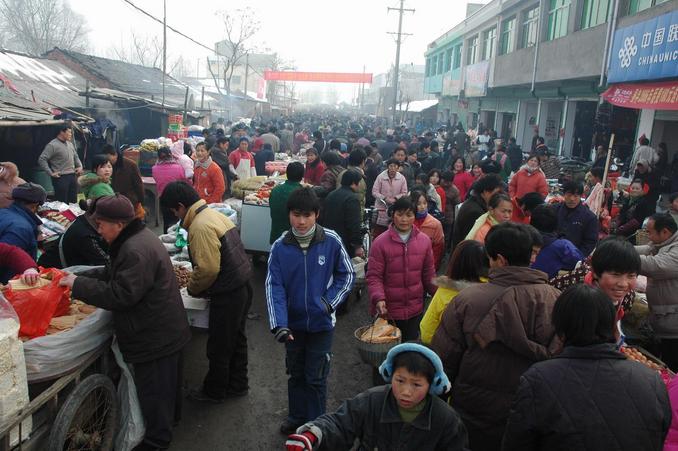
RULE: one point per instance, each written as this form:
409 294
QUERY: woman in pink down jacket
167 170
389 186
401 271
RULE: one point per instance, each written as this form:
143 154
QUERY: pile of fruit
183 275
635 354
149 145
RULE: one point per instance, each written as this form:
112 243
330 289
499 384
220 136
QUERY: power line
200 44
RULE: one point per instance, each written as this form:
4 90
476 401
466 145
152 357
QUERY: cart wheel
89 417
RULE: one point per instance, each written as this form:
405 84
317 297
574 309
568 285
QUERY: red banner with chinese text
653 96
329 77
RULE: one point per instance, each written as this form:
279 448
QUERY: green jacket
93 187
280 218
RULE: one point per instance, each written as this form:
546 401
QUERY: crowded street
434 226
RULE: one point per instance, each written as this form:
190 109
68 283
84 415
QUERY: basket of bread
375 340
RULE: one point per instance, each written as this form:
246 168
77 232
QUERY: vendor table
149 185
255 227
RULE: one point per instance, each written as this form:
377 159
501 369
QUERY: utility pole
164 48
396 69
247 71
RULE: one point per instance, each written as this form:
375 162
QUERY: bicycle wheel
88 419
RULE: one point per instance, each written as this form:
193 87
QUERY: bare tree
240 26
37 26
274 88
142 50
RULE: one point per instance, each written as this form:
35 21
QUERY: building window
441 64
594 13
472 52
489 38
640 5
448 59
530 25
507 32
559 14
434 64
457 57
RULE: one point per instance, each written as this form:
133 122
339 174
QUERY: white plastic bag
131 427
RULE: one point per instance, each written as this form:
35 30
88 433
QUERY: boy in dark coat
406 415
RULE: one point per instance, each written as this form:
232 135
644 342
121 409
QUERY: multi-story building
539 66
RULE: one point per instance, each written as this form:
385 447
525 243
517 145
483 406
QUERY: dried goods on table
183 275
76 313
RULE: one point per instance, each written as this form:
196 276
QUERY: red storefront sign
653 96
329 77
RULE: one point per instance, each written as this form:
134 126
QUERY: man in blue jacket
576 221
18 222
309 275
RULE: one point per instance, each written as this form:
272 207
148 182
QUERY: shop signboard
647 50
654 96
451 87
475 80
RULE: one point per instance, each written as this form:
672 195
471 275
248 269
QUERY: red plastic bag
36 307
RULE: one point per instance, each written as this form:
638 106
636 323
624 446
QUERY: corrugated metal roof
17 109
127 77
41 80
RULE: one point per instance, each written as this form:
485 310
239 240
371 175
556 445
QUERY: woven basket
374 353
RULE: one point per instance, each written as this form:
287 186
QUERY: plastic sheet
131 428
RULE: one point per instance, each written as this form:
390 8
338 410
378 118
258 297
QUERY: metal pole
185 105
202 98
396 69
247 71
164 48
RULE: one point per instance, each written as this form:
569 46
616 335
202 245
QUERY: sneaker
287 427
201 396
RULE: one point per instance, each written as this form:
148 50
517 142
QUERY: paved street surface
251 422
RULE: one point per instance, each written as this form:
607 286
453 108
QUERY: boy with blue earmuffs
405 414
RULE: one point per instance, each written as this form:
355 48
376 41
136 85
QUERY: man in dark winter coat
590 396
576 221
341 213
492 332
19 222
151 326
475 206
515 154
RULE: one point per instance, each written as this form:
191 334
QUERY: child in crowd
309 275
408 414
208 180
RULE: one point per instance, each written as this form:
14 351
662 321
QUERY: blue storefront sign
645 51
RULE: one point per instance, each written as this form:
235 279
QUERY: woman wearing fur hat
405 414
9 179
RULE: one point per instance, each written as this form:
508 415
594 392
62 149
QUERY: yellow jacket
447 290
205 231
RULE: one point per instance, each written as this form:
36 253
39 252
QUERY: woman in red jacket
314 167
529 179
462 178
401 270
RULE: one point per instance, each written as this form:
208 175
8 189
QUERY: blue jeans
308 364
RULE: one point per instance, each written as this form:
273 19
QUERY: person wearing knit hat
150 322
407 413
19 222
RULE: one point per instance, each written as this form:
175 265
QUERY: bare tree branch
37 26
240 26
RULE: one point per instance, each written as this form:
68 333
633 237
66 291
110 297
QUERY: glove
300 442
282 334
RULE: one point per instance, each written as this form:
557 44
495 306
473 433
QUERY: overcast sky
318 35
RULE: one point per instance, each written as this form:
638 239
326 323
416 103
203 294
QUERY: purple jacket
165 173
400 273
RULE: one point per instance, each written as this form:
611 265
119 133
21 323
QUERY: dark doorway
584 118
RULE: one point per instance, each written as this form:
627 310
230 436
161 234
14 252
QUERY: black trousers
168 219
669 352
227 342
159 390
409 327
66 188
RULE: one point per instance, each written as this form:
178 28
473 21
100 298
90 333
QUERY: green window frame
448 59
457 57
559 16
636 6
472 53
594 13
530 27
441 63
508 29
489 38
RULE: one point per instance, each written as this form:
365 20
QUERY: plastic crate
175 118
175 127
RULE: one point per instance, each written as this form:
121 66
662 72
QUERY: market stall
50 343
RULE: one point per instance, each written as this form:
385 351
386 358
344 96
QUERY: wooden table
150 186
